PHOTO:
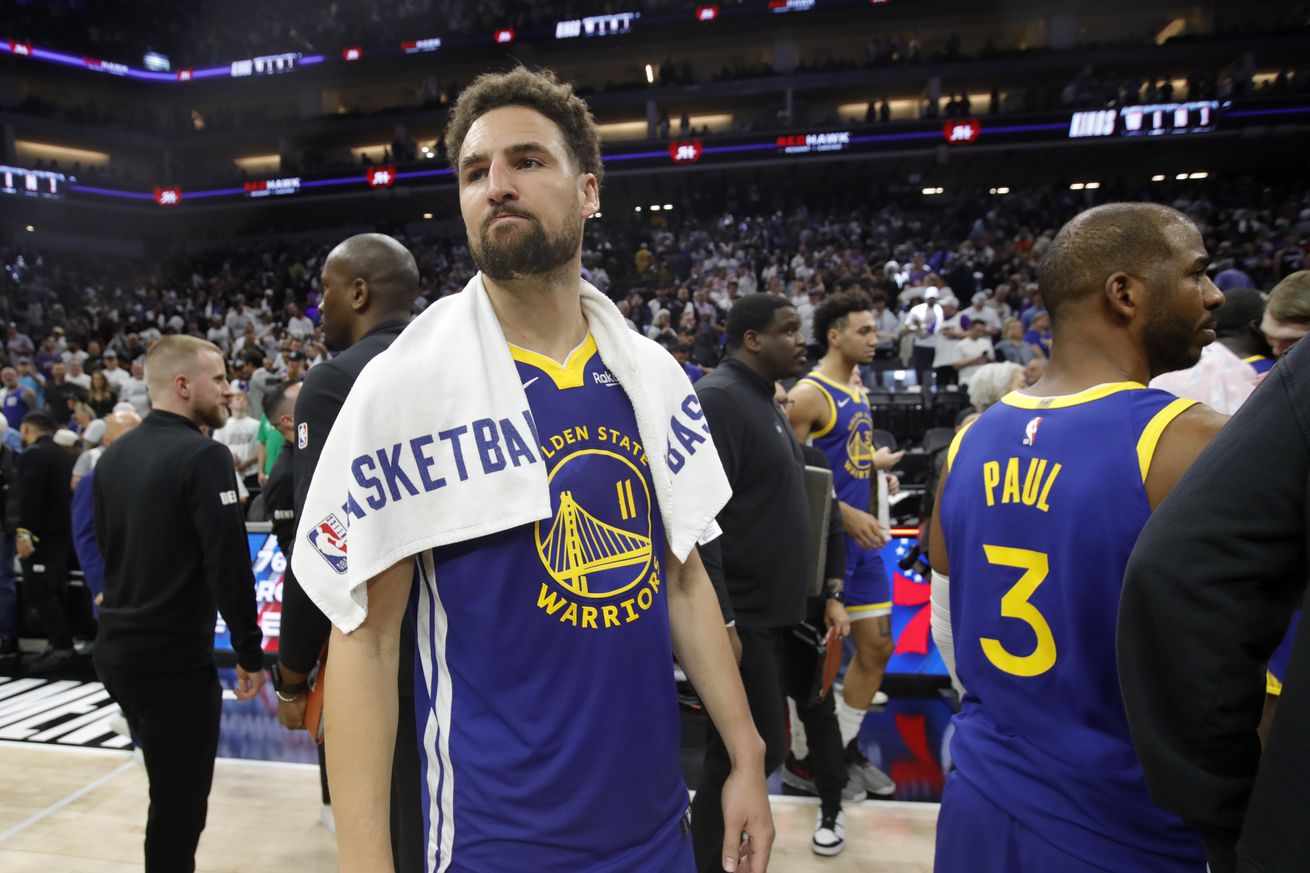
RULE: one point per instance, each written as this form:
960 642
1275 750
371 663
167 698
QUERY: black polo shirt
762 553
173 538
304 628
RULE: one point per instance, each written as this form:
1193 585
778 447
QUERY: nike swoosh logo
530 381
843 402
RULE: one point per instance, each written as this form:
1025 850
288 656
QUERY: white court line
25 745
55 807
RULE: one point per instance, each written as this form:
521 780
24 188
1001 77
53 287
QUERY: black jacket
280 503
174 544
43 475
304 627
762 554
1208 594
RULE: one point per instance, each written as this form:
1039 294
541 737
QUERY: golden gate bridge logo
859 441
579 550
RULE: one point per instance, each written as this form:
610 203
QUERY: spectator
1287 312
991 382
44 540
1014 347
1033 370
298 325
76 376
19 344
84 532
16 400
113 373
9 617
103 395
240 434
922 322
949 333
134 389
973 351
1039 333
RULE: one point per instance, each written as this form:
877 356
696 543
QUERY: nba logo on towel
302 435
328 538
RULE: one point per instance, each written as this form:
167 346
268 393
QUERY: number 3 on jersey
1014 604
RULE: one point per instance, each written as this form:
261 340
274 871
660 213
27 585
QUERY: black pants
174 718
407 837
761 674
827 755
921 359
45 577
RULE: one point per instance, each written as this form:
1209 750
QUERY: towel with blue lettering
436 445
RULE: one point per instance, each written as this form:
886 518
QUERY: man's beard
213 417
528 254
1170 341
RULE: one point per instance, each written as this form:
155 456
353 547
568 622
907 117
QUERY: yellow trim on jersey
566 375
1272 685
1254 358
955 445
869 607
832 409
1150 437
1096 392
845 389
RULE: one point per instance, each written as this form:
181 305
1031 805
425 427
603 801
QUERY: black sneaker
53 661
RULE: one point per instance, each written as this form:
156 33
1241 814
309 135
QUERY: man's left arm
701 646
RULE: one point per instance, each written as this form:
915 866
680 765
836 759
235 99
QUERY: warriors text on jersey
547 716
1044 500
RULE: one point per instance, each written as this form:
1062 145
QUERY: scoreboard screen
32 183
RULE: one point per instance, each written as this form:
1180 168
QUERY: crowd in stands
79 324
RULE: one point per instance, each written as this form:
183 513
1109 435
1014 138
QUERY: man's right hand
292 715
864 528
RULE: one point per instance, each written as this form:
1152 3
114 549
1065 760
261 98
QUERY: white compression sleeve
941 624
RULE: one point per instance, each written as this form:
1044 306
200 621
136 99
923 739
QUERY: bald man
84 530
1041 502
174 543
370 282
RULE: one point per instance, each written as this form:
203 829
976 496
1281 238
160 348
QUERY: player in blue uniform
1260 363
1041 502
835 416
547 714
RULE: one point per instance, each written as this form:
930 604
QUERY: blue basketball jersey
1261 363
547 714
847 439
1044 500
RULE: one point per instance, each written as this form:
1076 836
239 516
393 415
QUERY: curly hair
990 383
540 91
834 312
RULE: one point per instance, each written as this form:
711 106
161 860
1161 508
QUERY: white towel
402 472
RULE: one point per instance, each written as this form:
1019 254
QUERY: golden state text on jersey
544 662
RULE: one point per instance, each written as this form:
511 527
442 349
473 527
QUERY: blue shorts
974 835
868 586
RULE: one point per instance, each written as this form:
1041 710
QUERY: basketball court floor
74 799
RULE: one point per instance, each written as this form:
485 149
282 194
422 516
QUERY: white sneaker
880 698
118 723
829 835
326 819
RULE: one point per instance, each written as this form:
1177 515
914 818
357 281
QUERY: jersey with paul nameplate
1044 500
547 713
